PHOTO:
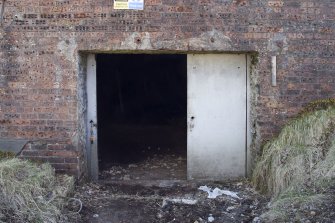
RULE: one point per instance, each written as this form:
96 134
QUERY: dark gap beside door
142 106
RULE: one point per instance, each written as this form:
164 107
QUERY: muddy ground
168 201
156 190
182 201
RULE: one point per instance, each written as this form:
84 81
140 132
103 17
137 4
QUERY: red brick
39 88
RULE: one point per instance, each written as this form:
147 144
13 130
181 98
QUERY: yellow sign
129 4
121 4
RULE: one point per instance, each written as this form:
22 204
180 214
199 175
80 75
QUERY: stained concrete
14 146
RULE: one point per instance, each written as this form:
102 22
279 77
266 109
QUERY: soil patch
168 201
157 167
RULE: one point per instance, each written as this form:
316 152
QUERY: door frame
91 126
91 91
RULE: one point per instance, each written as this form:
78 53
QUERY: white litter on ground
179 201
210 218
217 192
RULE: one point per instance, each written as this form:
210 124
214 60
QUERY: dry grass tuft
302 156
32 193
279 211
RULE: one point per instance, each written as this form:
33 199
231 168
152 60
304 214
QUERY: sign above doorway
129 4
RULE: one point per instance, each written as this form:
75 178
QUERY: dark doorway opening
142 106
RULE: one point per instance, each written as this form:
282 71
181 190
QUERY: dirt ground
157 167
168 201
182 201
319 207
156 190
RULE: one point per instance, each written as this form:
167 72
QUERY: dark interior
141 107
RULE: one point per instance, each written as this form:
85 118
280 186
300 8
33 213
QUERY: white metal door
217 116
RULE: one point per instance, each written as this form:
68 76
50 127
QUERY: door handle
93 125
191 123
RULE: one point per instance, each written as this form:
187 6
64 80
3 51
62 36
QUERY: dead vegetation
298 167
6 155
33 193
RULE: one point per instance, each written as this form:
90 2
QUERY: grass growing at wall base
31 192
6 155
298 165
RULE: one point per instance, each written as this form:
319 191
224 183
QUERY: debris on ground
217 192
32 192
179 201
211 218
157 167
173 201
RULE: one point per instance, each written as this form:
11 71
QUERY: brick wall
42 44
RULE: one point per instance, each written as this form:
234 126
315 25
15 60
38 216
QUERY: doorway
168 116
142 104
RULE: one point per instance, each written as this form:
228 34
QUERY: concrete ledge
14 146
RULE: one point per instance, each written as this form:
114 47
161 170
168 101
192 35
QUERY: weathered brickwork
43 43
